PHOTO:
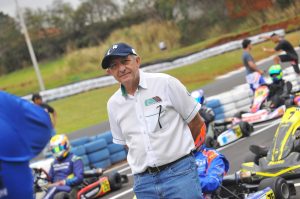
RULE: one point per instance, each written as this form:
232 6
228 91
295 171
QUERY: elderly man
157 119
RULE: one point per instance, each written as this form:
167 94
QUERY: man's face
38 101
275 39
250 46
125 69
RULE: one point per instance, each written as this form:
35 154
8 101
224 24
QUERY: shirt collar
142 84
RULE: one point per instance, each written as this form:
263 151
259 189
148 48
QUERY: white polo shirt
154 122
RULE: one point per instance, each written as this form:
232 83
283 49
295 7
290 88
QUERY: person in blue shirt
212 166
25 131
66 171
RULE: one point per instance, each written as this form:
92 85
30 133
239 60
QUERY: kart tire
246 128
114 148
96 145
106 135
239 114
211 142
278 185
61 195
115 181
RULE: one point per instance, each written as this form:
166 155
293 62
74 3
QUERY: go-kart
261 109
244 185
225 132
94 184
282 158
221 132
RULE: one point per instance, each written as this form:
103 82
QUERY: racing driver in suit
66 171
212 166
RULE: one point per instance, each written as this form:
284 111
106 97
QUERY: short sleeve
182 100
118 137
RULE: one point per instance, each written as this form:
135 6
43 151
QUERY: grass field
86 109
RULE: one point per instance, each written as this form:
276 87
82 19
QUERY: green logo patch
152 100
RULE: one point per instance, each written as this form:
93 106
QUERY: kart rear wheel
278 185
61 195
246 128
115 181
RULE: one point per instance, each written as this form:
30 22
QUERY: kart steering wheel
39 174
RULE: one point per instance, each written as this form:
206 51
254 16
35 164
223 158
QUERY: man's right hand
261 72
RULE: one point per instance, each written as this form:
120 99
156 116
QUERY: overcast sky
9 6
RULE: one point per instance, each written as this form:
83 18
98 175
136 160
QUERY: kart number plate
270 195
105 184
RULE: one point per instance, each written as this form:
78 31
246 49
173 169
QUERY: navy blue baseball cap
119 49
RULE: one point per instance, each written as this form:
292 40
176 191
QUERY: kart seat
259 150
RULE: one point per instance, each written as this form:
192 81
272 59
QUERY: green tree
12 52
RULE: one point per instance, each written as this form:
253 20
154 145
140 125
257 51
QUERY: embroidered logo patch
152 100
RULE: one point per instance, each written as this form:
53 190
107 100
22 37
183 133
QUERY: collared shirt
153 123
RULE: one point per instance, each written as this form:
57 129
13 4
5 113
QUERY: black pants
294 62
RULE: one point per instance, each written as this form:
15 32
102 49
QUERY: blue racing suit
25 129
69 169
212 166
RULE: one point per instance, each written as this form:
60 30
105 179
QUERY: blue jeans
180 180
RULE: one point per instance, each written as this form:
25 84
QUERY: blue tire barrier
79 141
218 110
86 168
95 145
93 138
79 150
107 136
85 160
101 164
213 103
220 116
98 155
117 157
114 148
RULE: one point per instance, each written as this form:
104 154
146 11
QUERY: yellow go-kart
282 158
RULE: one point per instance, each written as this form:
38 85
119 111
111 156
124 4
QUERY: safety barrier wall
97 151
86 85
240 97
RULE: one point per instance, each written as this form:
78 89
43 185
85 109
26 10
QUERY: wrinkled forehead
118 59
